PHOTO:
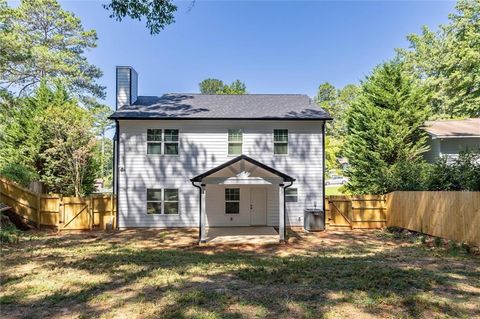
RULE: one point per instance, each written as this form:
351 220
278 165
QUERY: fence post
39 209
90 211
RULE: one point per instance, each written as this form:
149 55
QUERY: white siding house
236 160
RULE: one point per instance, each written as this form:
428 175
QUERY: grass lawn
163 274
333 190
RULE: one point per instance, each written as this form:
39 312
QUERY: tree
447 62
41 41
158 13
211 86
69 154
216 86
384 127
51 135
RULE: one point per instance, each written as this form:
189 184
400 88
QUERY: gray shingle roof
206 106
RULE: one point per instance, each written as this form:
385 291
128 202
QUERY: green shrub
8 234
19 173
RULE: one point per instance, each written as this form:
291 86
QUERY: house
449 137
193 160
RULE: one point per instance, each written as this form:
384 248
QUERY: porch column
281 212
203 216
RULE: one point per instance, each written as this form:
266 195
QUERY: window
170 139
158 204
154 141
232 200
280 142
235 140
154 201
170 201
291 195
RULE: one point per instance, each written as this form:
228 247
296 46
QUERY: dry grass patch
164 274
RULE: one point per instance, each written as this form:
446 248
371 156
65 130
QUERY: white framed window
162 141
154 201
154 141
291 195
280 142
232 200
170 142
162 201
170 203
235 142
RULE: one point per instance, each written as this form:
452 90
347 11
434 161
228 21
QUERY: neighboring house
192 160
450 137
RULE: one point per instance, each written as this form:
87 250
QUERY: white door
258 206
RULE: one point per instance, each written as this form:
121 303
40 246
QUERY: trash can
314 220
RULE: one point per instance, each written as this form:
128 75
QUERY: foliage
158 13
8 233
41 41
463 173
407 176
216 86
336 102
19 173
448 62
69 163
384 127
49 133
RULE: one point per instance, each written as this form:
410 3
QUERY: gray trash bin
314 220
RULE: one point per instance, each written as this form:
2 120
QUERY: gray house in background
450 137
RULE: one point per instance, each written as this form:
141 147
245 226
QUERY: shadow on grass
197 282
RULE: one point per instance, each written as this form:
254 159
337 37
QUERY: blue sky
274 47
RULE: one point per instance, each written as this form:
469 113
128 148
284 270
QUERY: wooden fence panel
50 210
24 201
451 215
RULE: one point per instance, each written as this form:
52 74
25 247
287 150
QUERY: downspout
199 210
285 210
323 173
115 169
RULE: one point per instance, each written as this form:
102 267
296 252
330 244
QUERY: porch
255 235
242 192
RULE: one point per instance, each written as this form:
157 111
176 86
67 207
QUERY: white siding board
203 145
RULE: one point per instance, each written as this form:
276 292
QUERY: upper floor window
166 139
235 141
154 141
280 141
170 139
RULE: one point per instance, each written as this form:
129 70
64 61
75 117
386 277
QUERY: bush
407 176
19 173
462 174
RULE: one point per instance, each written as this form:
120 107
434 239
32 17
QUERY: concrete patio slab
242 235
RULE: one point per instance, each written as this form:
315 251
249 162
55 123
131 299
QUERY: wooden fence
63 213
353 212
451 215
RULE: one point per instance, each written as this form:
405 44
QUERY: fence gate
360 211
75 213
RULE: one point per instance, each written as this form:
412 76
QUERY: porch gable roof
285 177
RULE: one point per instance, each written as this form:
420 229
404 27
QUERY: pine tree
384 127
